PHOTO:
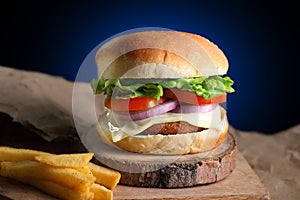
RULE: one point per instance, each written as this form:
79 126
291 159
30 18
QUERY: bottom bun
177 144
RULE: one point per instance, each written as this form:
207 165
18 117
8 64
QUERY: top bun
160 54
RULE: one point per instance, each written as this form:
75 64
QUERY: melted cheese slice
120 129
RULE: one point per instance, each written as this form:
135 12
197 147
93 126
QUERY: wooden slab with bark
144 170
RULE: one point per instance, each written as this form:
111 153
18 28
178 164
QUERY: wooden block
156 171
242 183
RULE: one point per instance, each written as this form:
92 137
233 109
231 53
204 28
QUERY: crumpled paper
275 159
40 102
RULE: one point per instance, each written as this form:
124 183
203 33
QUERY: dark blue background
261 41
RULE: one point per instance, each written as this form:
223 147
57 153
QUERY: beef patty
171 128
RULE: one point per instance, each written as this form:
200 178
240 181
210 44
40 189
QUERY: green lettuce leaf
207 87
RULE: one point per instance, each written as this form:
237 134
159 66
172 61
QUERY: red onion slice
157 110
194 108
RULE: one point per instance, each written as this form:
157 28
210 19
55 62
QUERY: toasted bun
172 144
160 54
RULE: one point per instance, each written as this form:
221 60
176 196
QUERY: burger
163 93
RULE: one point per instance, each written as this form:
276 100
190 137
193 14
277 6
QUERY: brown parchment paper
275 159
38 101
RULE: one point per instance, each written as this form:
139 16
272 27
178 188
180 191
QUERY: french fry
28 170
101 192
85 169
104 176
16 155
67 176
61 191
65 160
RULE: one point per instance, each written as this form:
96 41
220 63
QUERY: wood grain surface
242 183
156 171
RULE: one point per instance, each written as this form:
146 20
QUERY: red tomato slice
192 98
133 104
